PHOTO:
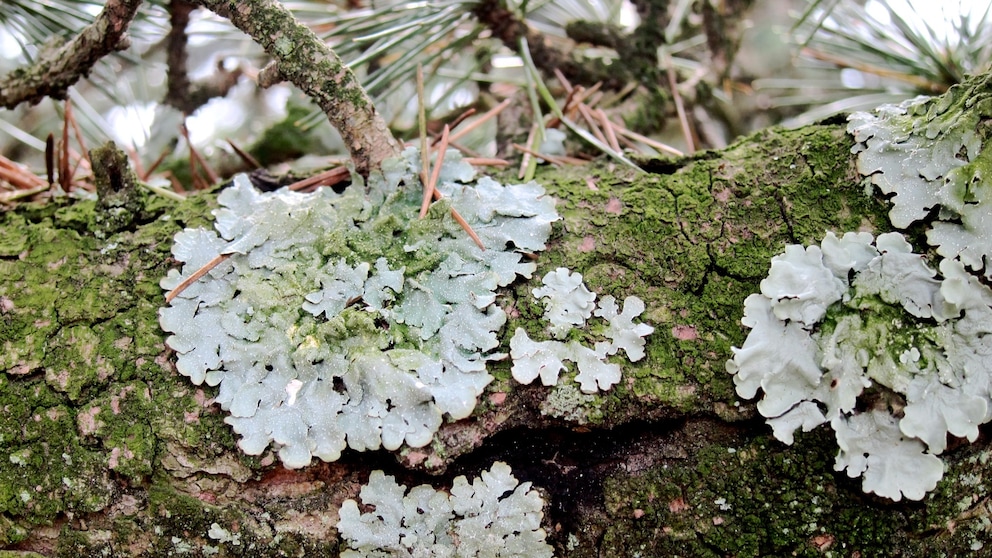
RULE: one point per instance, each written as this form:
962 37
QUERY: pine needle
431 185
182 286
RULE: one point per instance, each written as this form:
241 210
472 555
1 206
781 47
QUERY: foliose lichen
927 153
568 304
493 516
343 319
859 312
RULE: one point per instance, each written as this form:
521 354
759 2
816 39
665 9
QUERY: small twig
139 169
17 175
431 184
468 228
53 73
525 160
422 123
171 295
156 163
563 80
168 194
553 159
176 185
608 129
662 147
458 120
79 139
211 175
590 119
65 179
311 65
269 75
7 197
486 161
465 150
50 158
194 156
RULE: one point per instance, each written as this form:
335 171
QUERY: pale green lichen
343 319
927 153
861 312
568 303
493 516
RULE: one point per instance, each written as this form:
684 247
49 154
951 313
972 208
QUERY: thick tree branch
312 66
54 73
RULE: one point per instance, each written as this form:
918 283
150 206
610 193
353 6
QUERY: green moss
758 498
693 241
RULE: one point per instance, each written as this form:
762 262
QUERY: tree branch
54 73
183 94
312 66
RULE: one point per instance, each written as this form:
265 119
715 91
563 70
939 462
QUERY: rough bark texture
57 70
112 453
312 66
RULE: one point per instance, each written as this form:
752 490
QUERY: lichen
494 515
568 304
315 330
861 312
928 153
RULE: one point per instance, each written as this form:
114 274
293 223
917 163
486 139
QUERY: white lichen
568 304
925 154
343 319
493 516
895 324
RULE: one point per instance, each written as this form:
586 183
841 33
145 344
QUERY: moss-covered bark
111 452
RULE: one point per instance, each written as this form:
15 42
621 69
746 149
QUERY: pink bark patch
416 457
115 457
614 206
497 398
685 333
588 244
87 423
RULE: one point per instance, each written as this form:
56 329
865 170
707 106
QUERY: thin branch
311 65
54 73
183 94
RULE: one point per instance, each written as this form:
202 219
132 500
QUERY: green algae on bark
98 425
752 496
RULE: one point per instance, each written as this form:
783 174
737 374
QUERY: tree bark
111 452
311 65
59 69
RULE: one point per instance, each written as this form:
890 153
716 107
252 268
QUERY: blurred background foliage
690 74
